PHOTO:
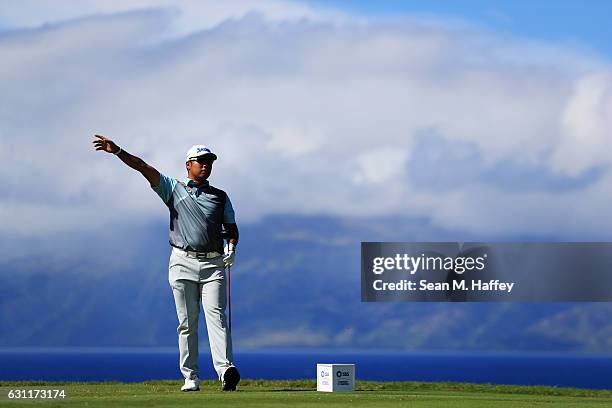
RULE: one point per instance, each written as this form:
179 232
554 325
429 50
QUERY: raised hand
105 145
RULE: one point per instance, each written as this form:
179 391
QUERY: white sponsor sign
335 377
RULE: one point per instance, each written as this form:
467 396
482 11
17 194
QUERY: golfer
198 213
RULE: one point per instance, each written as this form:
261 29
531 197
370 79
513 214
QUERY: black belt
198 254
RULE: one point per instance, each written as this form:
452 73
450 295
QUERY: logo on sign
342 374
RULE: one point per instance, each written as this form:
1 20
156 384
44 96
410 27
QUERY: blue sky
488 118
587 22
476 120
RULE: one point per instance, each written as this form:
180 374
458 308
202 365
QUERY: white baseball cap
199 150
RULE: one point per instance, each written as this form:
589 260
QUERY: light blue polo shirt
196 213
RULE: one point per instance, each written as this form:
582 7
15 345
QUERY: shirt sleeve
229 217
165 187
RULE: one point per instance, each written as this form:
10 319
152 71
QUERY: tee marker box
336 377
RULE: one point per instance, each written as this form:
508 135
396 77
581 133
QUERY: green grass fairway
295 394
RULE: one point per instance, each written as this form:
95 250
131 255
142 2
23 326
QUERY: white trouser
193 280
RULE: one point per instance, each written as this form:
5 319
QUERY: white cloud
381 165
310 110
188 15
586 127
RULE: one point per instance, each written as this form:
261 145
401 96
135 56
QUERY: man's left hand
229 254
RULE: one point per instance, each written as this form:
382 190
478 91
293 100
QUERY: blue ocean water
563 370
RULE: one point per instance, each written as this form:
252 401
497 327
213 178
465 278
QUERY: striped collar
192 183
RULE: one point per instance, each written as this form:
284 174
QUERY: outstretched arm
107 145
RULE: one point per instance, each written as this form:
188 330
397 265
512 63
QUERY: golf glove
229 254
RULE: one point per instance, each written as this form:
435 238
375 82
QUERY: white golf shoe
191 384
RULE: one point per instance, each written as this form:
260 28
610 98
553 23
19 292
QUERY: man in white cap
198 214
